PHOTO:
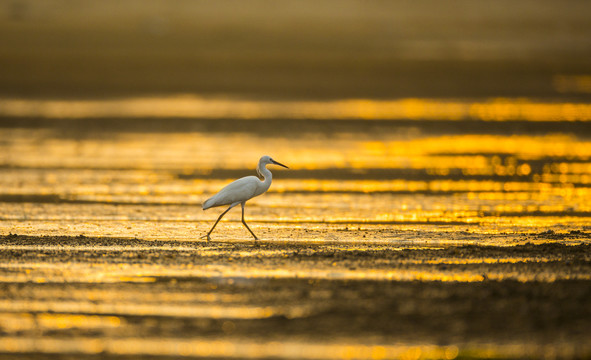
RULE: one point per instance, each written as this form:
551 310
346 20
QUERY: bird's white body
242 190
238 191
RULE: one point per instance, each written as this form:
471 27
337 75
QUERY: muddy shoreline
548 310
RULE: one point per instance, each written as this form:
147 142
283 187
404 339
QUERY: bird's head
268 160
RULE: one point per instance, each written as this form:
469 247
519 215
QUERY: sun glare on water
190 106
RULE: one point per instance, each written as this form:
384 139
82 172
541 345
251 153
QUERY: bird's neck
267 176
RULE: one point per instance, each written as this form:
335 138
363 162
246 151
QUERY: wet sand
109 297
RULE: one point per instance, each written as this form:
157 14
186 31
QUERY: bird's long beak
276 163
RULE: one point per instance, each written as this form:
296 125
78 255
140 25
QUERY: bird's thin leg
217 221
244 222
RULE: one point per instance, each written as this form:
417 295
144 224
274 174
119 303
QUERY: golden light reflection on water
329 271
213 311
15 322
478 154
137 295
236 348
191 106
492 180
151 156
287 349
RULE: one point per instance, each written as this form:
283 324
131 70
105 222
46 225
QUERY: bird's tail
208 203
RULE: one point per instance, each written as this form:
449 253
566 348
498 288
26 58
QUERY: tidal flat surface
393 238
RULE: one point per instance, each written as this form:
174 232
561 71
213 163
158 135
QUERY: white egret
242 190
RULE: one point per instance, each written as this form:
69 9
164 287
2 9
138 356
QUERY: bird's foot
206 236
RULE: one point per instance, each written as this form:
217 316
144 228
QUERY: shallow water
125 180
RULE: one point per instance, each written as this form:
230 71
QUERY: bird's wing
235 192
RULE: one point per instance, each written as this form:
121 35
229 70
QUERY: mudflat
80 296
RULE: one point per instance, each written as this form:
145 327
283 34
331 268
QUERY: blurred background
303 49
